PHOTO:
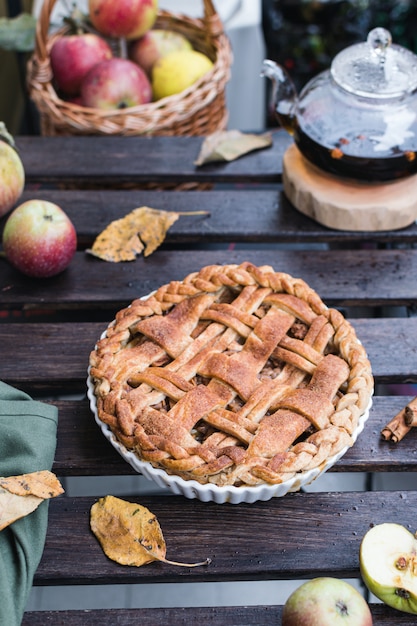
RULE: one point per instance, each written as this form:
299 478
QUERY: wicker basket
198 110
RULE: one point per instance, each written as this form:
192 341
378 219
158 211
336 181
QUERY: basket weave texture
198 110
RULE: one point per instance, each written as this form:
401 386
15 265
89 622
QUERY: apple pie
237 375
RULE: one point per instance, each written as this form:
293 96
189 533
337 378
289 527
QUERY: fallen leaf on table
229 145
21 495
129 533
143 229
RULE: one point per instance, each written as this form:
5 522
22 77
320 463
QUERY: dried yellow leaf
229 145
121 526
43 484
21 495
14 507
153 226
129 533
143 229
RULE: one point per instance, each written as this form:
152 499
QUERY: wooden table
48 328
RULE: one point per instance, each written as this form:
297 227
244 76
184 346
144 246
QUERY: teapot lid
376 68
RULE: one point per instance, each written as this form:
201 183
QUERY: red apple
74 100
39 239
12 177
115 84
326 601
73 56
155 44
129 19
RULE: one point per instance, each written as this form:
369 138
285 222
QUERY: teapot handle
284 93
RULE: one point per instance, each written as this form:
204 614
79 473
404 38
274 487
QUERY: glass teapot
359 118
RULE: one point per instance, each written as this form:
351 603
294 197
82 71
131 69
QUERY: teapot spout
284 93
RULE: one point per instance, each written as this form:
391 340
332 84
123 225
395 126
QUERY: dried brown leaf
129 533
230 145
13 507
20 495
43 484
120 527
141 229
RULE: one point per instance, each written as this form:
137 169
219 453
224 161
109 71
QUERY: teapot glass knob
380 40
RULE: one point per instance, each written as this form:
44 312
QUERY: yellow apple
177 71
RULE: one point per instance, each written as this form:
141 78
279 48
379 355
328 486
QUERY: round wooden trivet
346 204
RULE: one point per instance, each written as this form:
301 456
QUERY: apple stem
123 47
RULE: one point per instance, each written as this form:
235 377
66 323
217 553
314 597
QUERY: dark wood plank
286 546
118 160
36 367
342 277
381 337
233 215
83 450
215 616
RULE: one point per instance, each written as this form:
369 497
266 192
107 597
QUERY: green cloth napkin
27 444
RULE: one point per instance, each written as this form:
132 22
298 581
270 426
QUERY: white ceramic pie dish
210 492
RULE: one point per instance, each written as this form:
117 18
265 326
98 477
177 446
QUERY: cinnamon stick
410 416
402 423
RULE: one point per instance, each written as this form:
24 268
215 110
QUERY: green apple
388 562
12 176
326 601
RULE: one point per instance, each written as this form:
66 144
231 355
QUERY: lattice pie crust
238 375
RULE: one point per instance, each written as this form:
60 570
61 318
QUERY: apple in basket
129 19
12 176
155 44
115 84
177 71
326 601
388 562
72 56
39 239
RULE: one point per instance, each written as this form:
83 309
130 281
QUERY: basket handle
211 19
42 29
209 9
